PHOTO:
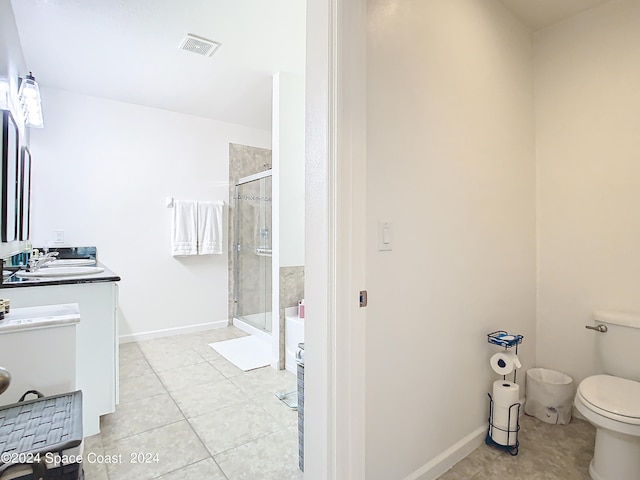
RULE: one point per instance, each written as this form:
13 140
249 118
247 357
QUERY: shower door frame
236 244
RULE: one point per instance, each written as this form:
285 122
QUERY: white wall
102 170
587 142
451 165
288 157
288 165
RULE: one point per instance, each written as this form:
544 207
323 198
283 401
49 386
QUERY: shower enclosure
252 253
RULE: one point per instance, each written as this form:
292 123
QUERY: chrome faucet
36 263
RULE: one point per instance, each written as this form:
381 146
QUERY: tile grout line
250 399
143 398
188 465
187 420
110 443
195 385
150 429
248 396
260 437
153 371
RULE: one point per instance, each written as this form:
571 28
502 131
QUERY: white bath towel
210 227
184 228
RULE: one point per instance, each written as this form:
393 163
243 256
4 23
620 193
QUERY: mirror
10 190
25 193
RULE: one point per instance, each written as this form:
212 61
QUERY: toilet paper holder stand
512 433
503 339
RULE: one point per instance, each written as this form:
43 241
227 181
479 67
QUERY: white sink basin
60 272
70 262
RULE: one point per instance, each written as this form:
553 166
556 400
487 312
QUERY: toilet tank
619 347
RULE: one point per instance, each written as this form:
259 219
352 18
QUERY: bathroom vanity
96 344
50 331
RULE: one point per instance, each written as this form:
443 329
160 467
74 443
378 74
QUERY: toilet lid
612 394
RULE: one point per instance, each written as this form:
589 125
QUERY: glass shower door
253 251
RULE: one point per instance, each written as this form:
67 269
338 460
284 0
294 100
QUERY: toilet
611 402
293 334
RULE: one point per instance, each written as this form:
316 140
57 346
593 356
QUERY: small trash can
549 395
300 362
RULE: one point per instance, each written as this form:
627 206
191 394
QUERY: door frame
335 170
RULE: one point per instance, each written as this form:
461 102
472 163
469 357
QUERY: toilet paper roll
505 434
503 363
505 393
504 420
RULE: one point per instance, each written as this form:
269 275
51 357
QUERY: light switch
386 234
59 236
385 238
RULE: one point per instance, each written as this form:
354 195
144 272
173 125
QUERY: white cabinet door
96 341
42 359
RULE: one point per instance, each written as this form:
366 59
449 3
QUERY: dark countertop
15 282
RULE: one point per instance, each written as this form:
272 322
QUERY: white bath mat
246 353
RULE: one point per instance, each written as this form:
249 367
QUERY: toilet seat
612 397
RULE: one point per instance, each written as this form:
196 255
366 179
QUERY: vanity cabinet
96 340
49 364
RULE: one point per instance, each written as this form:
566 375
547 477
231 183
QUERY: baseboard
167 332
447 459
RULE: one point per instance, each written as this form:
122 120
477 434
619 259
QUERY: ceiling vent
199 45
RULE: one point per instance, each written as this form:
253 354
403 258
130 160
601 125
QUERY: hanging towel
210 227
184 228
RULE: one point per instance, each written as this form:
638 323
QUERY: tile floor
201 415
207 419
547 452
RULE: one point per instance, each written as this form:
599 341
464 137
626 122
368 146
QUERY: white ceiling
538 14
127 50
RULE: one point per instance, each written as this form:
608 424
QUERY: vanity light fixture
29 97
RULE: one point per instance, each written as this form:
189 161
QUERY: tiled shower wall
243 161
